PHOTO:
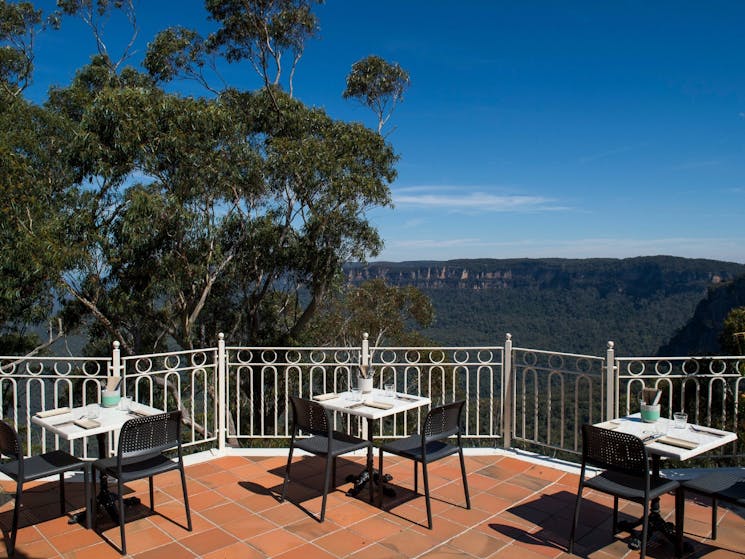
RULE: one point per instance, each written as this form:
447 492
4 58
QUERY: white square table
399 403
661 439
110 420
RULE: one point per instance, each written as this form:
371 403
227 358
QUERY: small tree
377 84
733 332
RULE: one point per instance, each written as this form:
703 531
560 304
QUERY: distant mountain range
645 305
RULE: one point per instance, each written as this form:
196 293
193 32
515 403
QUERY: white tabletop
110 419
705 441
401 402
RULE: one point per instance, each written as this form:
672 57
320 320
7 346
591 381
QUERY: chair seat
137 470
411 447
727 484
628 487
43 465
341 443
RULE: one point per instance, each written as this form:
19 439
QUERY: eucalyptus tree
377 84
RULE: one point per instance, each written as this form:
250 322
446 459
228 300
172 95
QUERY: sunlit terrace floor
519 509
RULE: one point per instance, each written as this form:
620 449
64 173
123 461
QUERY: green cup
110 398
650 412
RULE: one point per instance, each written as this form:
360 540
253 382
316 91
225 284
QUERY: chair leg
426 494
152 493
465 481
615 515
645 530
416 477
186 497
87 494
62 494
16 513
287 473
120 489
326 483
371 474
380 473
679 520
714 518
573 531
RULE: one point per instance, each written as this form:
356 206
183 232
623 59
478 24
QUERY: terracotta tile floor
519 509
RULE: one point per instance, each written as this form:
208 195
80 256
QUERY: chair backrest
311 417
443 422
613 450
147 436
10 444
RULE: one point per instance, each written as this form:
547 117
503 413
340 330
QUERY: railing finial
221 336
610 344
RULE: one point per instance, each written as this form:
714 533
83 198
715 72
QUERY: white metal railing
515 396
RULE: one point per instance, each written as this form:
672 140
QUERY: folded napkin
323 397
379 405
53 412
86 423
674 441
610 425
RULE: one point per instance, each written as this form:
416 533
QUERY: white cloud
445 198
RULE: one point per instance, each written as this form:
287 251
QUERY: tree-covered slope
556 304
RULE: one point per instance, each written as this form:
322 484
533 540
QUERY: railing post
507 393
222 405
611 399
116 364
365 357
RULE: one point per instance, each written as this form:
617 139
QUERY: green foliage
733 332
377 84
19 23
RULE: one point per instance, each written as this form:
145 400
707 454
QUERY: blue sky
531 128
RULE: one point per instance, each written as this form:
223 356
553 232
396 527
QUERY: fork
706 431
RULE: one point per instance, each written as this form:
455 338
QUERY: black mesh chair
140 454
721 485
44 465
627 476
431 445
313 419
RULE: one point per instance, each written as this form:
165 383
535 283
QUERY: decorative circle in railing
171 362
244 356
412 356
294 356
529 358
268 356
62 368
388 356
437 356
317 357
460 356
663 368
584 365
7 368
37 371
690 367
481 356
555 361
635 368
143 364
342 356
718 367
199 359
94 371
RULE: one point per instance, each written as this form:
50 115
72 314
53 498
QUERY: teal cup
650 412
110 398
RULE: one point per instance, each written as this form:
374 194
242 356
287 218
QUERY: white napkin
53 412
323 397
379 405
674 441
86 423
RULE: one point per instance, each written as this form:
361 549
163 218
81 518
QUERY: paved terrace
521 509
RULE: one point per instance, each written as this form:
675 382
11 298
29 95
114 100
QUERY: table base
363 478
657 524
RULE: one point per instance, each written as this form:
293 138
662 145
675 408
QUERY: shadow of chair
626 475
143 442
311 418
22 470
431 445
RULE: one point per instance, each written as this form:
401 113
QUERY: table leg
657 523
363 478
